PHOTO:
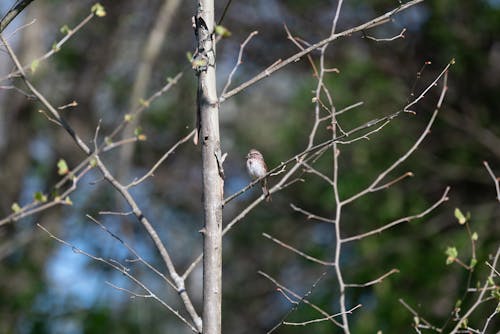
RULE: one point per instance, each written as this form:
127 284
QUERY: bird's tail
265 190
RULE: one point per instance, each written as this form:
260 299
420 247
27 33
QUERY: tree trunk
208 137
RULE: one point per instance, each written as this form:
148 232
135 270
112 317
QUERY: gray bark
208 113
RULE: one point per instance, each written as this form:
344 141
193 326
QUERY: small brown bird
257 168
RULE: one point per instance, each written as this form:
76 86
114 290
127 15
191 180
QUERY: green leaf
189 56
452 254
474 236
68 201
62 167
65 29
128 117
460 216
93 162
15 207
496 293
34 65
473 263
222 31
98 10
144 103
40 197
138 131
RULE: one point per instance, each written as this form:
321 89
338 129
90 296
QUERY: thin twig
238 62
130 292
494 178
352 106
22 27
283 293
304 323
310 215
295 250
396 180
295 41
443 199
310 169
390 39
115 213
375 281
150 173
364 136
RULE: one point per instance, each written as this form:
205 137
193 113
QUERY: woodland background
47 288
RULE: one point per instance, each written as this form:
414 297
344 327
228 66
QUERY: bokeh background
47 288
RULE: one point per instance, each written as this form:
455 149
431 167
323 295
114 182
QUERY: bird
257 168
